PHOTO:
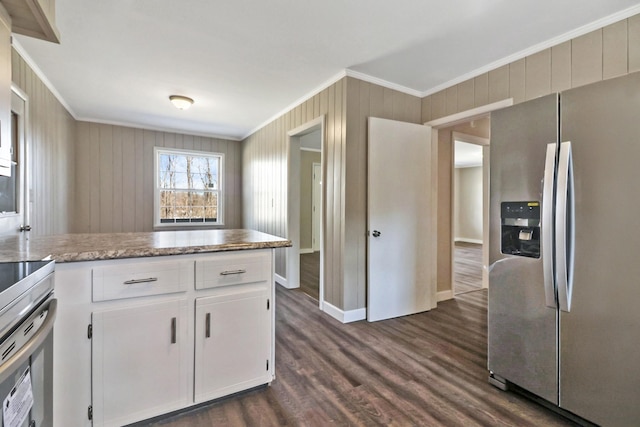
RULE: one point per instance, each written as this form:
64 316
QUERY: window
188 189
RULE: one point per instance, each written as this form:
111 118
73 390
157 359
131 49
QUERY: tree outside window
188 187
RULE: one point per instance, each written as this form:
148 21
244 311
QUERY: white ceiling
245 62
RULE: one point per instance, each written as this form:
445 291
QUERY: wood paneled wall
264 192
605 53
364 100
114 176
51 132
345 154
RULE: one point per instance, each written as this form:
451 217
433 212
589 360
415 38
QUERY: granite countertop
90 247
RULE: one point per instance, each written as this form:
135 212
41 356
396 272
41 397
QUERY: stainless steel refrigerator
564 281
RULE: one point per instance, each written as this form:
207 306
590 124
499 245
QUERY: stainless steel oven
27 314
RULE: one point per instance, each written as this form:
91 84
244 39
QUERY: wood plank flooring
467 267
428 369
310 274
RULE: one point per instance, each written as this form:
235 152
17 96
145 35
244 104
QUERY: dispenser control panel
520 223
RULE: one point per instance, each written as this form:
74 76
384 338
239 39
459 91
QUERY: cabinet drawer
139 279
233 269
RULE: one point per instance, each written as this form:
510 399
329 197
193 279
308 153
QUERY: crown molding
384 83
158 129
38 72
585 29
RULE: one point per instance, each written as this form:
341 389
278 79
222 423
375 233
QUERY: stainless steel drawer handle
207 326
230 272
174 322
147 280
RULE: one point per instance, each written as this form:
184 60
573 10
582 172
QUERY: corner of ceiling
15 44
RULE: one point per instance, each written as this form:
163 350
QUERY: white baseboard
283 282
444 295
306 251
344 316
464 239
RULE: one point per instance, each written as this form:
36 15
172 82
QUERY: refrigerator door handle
548 225
565 227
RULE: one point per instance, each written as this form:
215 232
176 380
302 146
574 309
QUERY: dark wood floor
427 369
467 267
310 274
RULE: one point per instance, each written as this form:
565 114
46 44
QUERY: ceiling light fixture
181 102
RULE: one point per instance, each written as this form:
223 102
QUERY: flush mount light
181 102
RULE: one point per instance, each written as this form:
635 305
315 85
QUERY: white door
400 216
317 191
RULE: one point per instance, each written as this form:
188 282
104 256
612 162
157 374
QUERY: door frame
11 223
293 204
436 125
316 193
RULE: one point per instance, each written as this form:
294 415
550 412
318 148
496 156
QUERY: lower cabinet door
140 365
233 341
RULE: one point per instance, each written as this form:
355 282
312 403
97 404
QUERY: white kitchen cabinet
233 355
140 361
129 370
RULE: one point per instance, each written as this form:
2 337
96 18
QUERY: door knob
25 228
376 233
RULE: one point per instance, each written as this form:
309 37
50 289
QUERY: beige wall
114 176
51 133
307 159
468 204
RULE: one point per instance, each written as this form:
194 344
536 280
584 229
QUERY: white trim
158 128
38 72
315 150
306 251
293 209
306 127
444 295
281 280
468 115
465 240
580 31
384 83
344 316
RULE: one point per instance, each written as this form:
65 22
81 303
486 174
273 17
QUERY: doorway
469 205
305 211
443 129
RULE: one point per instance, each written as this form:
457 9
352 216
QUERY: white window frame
157 151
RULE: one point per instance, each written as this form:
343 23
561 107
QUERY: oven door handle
22 355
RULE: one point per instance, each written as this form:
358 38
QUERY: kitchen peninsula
150 323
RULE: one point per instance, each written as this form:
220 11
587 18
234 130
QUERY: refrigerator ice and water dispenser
520 222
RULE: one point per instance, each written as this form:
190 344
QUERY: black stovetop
13 272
